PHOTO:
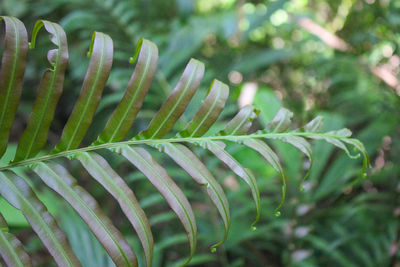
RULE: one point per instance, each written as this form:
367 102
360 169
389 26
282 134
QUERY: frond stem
70 153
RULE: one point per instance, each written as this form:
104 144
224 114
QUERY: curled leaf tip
277 213
302 188
213 250
253 228
282 198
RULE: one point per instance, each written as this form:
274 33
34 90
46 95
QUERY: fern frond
178 147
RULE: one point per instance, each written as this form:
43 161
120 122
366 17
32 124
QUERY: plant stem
167 140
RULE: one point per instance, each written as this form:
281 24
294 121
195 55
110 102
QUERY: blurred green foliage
263 42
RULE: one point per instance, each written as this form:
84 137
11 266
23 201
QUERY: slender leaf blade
35 135
241 123
124 115
195 168
336 138
101 171
209 110
11 249
270 156
57 177
158 176
360 147
12 72
301 144
280 122
19 194
101 53
176 102
217 148
315 125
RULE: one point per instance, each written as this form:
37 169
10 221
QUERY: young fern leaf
241 124
209 111
202 121
339 139
195 168
101 171
159 177
101 53
35 136
281 122
12 72
19 194
301 144
11 248
176 102
270 156
315 125
124 115
57 177
217 148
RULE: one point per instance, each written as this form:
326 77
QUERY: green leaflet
280 122
270 156
301 144
19 194
315 125
339 139
195 168
34 137
217 148
12 72
168 189
176 102
101 53
360 147
208 112
57 177
11 249
203 120
100 170
241 123
337 142
124 115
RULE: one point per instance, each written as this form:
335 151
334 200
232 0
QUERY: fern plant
48 167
